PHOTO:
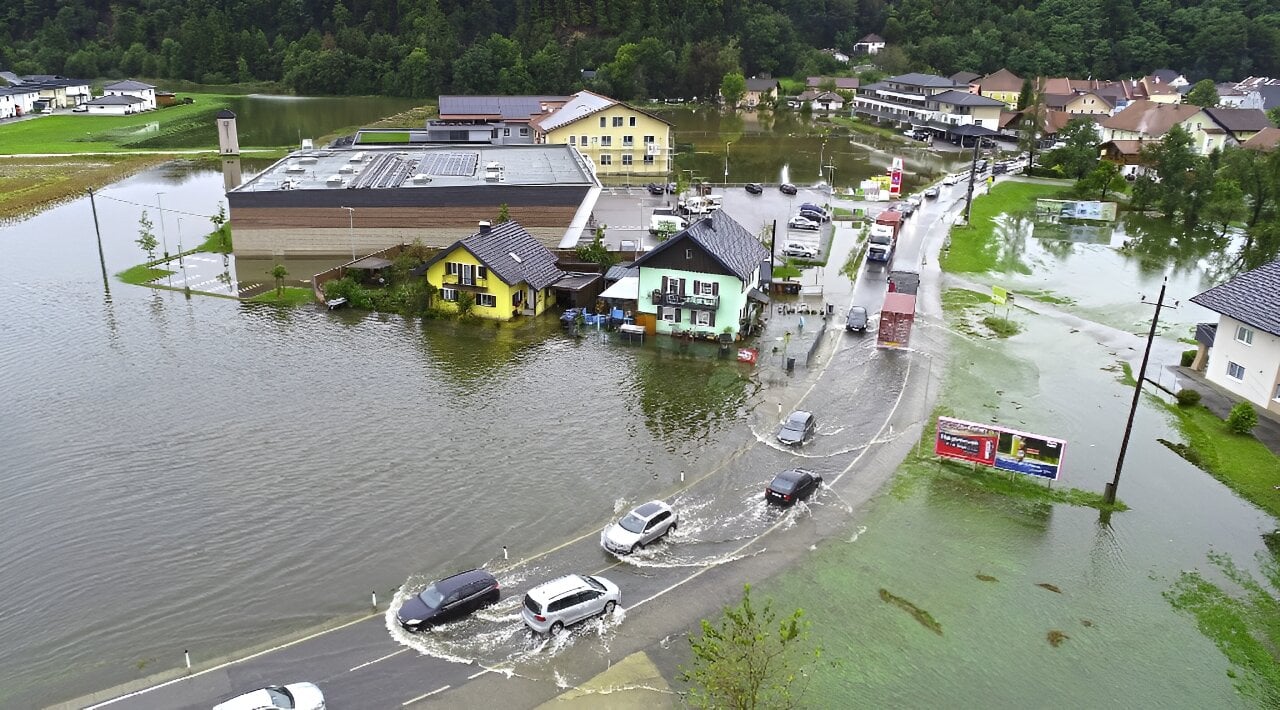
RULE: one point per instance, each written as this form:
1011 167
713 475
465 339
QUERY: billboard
895 178
1077 209
999 447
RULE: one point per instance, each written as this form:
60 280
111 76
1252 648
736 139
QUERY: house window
632 121
606 141
524 131
584 140
517 298
602 123
1244 335
648 139
486 300
606 159
668 314
482 272
628 141
648 160
1234 371
617 121
704 318
688 253
506 131
573 140
451 268
449 294
626 159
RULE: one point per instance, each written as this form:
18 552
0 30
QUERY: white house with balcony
17 100
1242 354
138 89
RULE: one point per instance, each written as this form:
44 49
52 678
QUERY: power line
139 204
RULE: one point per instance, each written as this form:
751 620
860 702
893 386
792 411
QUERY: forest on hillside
639 48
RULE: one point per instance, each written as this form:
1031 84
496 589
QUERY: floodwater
783 146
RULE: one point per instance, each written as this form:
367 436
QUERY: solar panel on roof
450 164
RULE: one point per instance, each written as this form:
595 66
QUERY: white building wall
1260 361
109 110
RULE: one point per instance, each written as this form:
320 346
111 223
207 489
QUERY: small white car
550 607
295 696
643 525
799 222
804 251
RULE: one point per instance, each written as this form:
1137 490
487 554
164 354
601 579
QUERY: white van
664 219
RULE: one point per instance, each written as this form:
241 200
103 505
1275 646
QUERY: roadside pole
973 172
102 258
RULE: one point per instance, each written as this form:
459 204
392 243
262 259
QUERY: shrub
1242 418
1188 397
1188 357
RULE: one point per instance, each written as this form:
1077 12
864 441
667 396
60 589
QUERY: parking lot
625 212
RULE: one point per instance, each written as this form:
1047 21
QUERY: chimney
485 227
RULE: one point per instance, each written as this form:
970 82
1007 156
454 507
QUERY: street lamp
726 162
831 181
163 241
351 229
822 154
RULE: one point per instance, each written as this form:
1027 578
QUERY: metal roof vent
494 172
485 227
513 255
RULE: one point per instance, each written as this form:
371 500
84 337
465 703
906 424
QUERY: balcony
675 300
466 282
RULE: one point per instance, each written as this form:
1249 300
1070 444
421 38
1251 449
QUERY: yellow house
618 139
1003 86
504 270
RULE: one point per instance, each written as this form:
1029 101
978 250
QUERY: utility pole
1109 493
973 172
102 258
351 229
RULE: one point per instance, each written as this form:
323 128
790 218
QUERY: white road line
425 695
220 666
473 676
370 663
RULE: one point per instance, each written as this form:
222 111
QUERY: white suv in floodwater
550 607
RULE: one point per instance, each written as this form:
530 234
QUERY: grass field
1241 462
64 134
396 137
975 248
28 185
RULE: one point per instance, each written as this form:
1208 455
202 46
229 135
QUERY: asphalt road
869 404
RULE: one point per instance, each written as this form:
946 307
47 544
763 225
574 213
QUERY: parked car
915 200
80 109
818 217
799 222
655 189
449 599
755 188
804 251
551 606
907 208
951 179
931 193
856 320
820 211
799 427
295 696
792 485
643 525
787 188
671 188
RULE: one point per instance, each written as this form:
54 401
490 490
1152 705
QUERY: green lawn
82 133
975 248
1241 462
372 137
292 296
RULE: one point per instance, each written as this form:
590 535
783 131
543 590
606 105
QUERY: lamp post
182 264
822 155
351 229
831 180
726 162
163 242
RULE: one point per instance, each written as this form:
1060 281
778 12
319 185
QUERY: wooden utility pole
1109 493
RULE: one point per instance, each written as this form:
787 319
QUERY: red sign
895 178
966 441
748 355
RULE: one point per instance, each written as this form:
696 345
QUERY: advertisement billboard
895 177
1001 448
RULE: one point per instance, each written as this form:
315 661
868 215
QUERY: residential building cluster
40 93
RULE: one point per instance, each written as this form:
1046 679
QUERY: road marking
220 666
473 676
425 695
370 663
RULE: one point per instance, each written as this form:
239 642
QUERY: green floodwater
930 537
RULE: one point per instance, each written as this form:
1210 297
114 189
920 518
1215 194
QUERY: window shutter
677 315
697 287
713 319
682 287
666 281
715 288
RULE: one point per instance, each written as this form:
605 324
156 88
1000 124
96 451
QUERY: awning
756 294
372 263
626 289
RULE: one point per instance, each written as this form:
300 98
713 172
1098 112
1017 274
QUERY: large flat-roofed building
336 201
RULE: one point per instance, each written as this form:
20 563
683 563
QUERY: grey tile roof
617 272
115 100
762 84
917 79
1253 298
510 252
128 85
964 98
1240 119
508 107
725 240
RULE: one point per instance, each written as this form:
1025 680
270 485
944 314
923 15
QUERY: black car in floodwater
792 485
449 599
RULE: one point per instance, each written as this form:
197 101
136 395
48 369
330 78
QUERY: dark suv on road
449 599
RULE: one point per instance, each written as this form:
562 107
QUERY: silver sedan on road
643 525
